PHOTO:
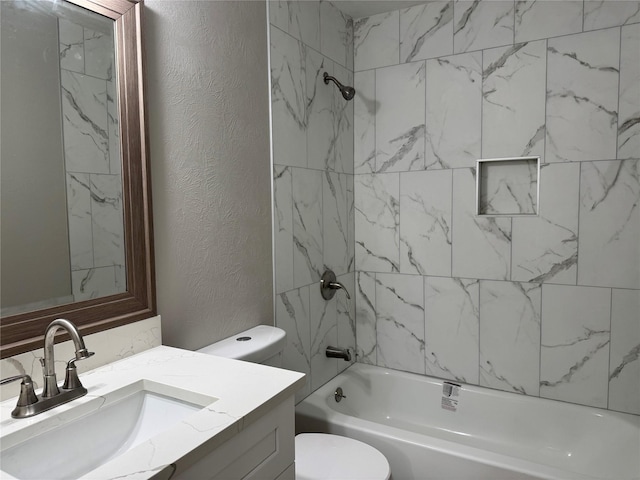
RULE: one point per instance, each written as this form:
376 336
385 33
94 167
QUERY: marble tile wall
546 305
313 187
92 161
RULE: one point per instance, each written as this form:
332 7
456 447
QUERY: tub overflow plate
338 394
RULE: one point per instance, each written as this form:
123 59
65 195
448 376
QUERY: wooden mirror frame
24 332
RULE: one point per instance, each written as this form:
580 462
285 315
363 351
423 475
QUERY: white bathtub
492 435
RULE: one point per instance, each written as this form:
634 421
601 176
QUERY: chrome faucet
29 403
335 352
329 285
48 363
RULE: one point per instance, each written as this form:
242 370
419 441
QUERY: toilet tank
262 344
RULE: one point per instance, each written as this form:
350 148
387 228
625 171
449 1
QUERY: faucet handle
27 393
71 379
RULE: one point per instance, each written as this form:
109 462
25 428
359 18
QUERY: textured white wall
208 108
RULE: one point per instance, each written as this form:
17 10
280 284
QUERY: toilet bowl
319 456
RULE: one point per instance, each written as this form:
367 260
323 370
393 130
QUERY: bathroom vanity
164 413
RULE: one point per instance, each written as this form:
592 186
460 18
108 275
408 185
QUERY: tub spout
335 352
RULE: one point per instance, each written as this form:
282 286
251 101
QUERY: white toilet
319 456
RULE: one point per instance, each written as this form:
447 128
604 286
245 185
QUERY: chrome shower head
347 92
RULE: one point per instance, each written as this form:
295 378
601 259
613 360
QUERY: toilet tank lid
254 345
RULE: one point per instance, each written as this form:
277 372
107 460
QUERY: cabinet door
262 451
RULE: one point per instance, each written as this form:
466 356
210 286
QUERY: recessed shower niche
508 186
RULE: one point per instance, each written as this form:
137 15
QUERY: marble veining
425 222
610 13
481 24
545 248
629 115
453 111
376 41
377 218
426 31
400 127
400 326
582 96
536 19
85 127
610 224
293 316
575 344
481 245
513 109
624 368
307 226
366 317
365 108
452 318
510 336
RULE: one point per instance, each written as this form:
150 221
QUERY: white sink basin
81 439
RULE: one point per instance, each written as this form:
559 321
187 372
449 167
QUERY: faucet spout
48 364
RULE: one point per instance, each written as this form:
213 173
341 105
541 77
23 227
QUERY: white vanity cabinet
263 450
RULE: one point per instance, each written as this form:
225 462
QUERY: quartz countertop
243 392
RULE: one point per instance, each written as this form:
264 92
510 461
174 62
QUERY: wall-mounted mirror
76 210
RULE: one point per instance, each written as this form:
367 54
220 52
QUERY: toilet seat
321 456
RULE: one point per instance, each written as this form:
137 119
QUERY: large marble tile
335 233
365 107
324 333
115 157
346 319
609 237
93 283
99 52
376 41
377 222
85 125
343 124
481 246
283 227
610 13
299 19
545 247
351 225
513 109
336 33
400 118
629 119
510 336
293 316
426 31
482 24
425 222
288 99
321 125
365 298
80 228
307 226
582 96
624 368
453 111
400 322
536 19
71 45
107 220
574 358
452 316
